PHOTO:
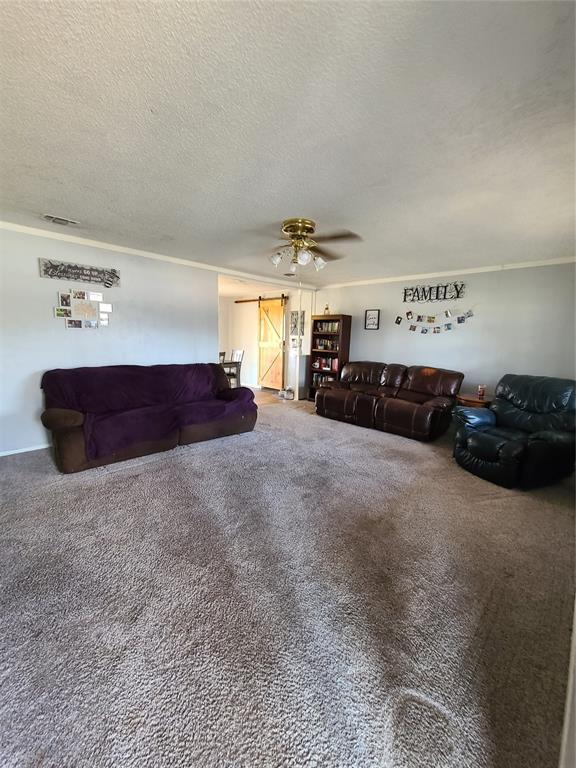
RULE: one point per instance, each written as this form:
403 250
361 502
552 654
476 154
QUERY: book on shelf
319 378
323 326
325 363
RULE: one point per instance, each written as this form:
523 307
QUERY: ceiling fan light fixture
276 258
304 257
319 263
292 268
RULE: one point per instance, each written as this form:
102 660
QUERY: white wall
163 313
523 323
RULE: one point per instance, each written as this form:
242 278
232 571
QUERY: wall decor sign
429 293
372 320
294 323
79 273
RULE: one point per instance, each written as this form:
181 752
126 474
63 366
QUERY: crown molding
75 239
451 273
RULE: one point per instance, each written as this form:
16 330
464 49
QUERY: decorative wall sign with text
372 320
294 323
429 293
79 273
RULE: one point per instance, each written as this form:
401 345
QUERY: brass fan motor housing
298 228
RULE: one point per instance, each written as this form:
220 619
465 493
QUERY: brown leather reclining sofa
414 402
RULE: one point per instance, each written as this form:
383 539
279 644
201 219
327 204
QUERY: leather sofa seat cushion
354 407
412 397
506 433
367 389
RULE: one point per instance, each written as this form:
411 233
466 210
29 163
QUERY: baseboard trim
24 450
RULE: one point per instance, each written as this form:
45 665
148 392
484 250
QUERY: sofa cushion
107 433
535 403
345 405
432 381
124 387
213 410
362 372
413 397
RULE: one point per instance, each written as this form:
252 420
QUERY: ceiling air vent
64 222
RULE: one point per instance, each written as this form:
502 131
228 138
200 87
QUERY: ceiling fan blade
326 254
342 235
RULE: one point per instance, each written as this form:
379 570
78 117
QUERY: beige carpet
310 594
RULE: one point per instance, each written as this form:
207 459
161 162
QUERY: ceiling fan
304 249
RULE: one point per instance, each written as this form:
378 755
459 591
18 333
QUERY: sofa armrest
556 437
61 418
243 394
475 417
494 448
440 403
334 385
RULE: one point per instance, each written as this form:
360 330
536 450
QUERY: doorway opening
255 319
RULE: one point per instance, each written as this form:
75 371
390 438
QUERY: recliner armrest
244 394
334 385
475 417
494 448
440 403
61 418
554 436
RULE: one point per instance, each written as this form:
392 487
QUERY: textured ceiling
441 132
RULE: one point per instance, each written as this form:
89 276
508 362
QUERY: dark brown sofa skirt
70 452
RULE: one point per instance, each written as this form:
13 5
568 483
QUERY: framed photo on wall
372 320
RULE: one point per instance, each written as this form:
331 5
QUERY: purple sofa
102 415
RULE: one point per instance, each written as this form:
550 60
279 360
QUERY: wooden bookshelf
329 349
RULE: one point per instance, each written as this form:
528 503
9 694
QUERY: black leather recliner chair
525 438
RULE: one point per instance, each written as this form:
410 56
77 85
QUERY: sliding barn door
271 343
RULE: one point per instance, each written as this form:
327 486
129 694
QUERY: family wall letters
429 293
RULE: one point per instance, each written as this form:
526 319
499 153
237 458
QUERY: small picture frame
73 323
372 320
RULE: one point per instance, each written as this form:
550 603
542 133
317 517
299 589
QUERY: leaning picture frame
372 320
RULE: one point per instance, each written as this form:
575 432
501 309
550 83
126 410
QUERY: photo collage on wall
434 324
83 309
